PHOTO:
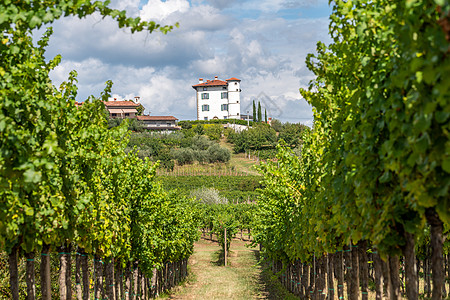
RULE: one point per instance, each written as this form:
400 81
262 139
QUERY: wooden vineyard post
225 248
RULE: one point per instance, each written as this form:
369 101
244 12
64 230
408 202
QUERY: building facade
217 99
162 123
122 109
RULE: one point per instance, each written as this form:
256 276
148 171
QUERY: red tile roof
233 79
119 103
156 118
211 83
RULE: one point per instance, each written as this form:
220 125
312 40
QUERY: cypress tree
254 112
265 115
259 112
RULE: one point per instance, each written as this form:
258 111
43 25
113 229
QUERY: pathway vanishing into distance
241 279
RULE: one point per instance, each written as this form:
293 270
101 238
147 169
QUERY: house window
225 117
113 115
205 118
205 89
235 83
169 124
224 88
205 107
224 107
224 95
205 95
238 114
127 114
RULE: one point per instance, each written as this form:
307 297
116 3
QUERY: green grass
242 278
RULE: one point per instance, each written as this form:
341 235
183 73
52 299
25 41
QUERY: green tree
292 134
254 112
140 110
276 125
259 112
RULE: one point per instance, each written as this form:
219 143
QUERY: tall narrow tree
259 112
254 111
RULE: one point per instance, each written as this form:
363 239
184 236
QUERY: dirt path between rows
209 279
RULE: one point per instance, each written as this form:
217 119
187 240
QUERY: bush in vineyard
208 196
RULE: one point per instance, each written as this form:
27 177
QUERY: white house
217 99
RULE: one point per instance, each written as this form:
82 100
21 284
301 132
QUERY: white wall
215 102
237 127
234 99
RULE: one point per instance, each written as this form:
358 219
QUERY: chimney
215 78
115 99
137 100
200 80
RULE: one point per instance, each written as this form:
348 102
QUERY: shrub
186 125
133 124
250 184
199 129
214 131
202 156
200 142
208 196
183 156
218 154
167 164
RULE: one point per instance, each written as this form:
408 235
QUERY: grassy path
241 279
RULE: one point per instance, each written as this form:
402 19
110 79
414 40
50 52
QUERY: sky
262 42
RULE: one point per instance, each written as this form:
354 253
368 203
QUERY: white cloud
161 94
266 51
221 4
131 6
159 10
202 17
274 6
211 67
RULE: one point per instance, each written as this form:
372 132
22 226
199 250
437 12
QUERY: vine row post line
225 252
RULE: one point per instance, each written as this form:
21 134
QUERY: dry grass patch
241 279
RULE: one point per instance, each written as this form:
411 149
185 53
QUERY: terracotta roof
120 103
211 83
233 79
156 118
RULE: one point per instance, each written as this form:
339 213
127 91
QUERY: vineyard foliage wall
376 166
66 181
